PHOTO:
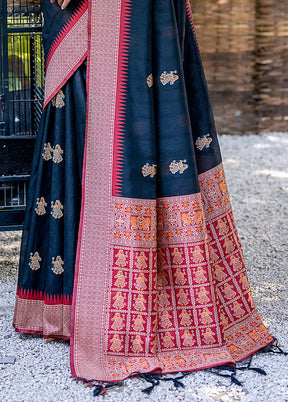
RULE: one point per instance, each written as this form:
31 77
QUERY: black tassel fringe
152 379
273 348
100 389
155 379
225 371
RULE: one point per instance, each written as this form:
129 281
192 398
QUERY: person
129 245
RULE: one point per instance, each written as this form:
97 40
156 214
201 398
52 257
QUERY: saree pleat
49 239
160 281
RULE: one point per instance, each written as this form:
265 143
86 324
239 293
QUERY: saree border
65 30
190 18
118 151
67 57
36 317
237 331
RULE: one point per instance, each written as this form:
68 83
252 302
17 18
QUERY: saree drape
160 281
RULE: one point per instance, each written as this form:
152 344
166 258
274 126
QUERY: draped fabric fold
160 278
160 282
65 38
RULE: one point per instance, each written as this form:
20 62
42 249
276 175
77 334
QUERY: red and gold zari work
159 283
179 300
37 313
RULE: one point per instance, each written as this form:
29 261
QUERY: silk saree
129 246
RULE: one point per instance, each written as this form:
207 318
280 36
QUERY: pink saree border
190 16
120 99
67 57
65 30
40 295
103 56
36 317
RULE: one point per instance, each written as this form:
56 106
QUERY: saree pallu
160 282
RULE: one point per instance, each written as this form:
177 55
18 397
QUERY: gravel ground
257 174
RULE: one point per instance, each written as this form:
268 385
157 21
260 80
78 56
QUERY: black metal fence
21 95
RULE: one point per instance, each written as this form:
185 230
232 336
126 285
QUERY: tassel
88 382
153 379
273 348
234 380
258 370
148 390
248 367
226 367
217 371
177 383
101 389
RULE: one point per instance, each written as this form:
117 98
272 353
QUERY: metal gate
21 97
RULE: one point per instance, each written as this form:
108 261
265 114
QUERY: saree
158 276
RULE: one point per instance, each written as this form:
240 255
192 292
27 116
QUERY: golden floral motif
117 322
149 170
47 152
203 142
137 344
35 259
121 260
58 100
57 154
119 302
164 299
57 267
188 339
179 166
169 78
177 256
56 209
138 323
120 280
165 319
40 206
141 260
139 304
168 342
141 282
208 335
150 80
183 299
116 343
